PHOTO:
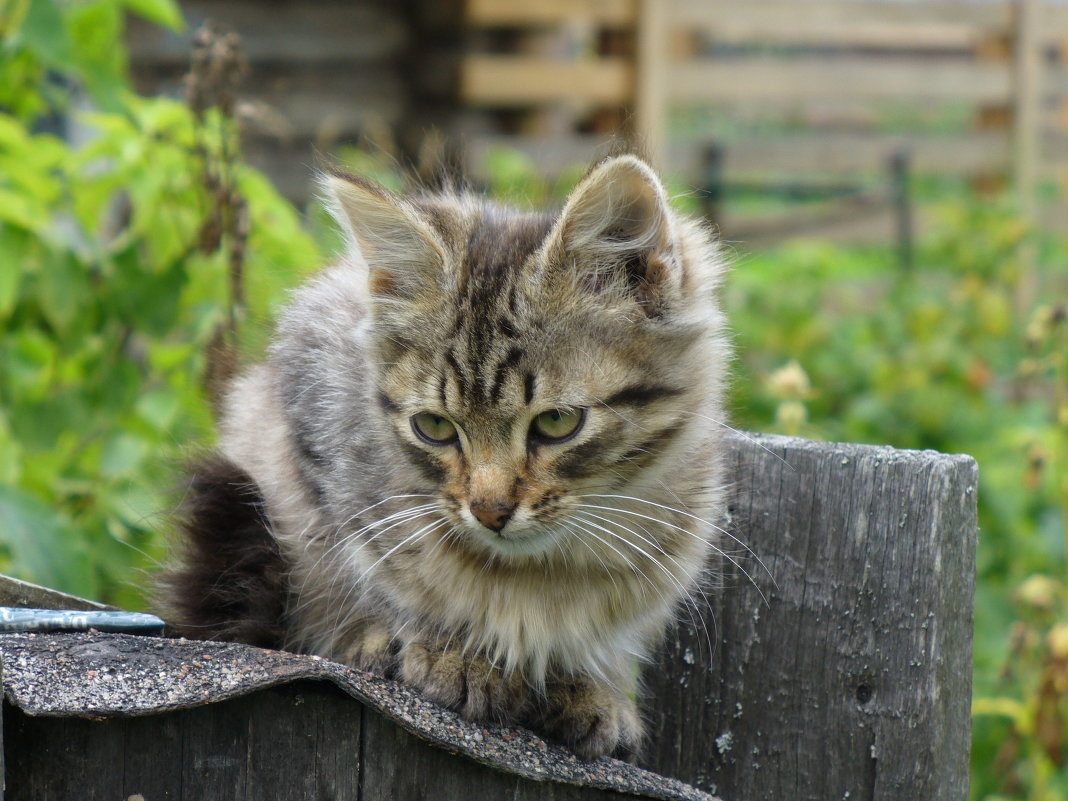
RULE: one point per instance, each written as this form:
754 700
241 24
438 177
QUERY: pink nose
492 514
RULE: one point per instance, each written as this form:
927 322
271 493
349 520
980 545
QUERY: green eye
558 424
433 428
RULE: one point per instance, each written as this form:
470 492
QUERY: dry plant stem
216 69
1060 417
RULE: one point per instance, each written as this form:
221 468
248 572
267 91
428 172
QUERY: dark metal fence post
902 201
711 193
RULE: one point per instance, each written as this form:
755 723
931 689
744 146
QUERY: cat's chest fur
485 447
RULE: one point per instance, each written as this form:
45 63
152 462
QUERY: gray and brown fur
487 316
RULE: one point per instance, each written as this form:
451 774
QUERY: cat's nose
492 514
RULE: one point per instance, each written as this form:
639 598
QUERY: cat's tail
227 580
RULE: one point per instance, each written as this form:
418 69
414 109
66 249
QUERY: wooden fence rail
804 85
784 89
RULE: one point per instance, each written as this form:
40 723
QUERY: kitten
480 456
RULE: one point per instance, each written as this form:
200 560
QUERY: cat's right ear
401 253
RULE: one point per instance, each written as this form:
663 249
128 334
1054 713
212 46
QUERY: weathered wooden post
853 678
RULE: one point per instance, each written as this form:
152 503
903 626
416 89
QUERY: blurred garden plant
1030 708
130 247
839 343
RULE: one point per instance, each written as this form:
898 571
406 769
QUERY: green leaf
13 134
148 302
162 12
122 455
10 453
41 541
15 246
159 409
44 32
63 290
136 504
28 362
23 211
94 28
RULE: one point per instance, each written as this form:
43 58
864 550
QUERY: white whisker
692 517
685 593
677 527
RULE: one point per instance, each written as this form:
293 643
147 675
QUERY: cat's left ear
617 231
402 255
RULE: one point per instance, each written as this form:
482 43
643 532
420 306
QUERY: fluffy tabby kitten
480 456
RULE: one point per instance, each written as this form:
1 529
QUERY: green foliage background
108 302
111 294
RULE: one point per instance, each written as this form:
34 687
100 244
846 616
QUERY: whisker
741 434
637 570
685 593
597 556
395 519
689 515
720 551
358 584
417 535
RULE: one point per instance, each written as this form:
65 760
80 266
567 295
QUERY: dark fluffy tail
228 581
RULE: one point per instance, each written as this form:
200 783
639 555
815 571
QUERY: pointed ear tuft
618 231
401 253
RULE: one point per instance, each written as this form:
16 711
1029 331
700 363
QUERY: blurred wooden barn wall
785 91
811 97
323 74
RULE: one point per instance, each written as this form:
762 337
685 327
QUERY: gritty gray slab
99 675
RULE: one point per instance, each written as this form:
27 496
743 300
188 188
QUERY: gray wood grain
335 30
23 594
398 766
853 678
302 742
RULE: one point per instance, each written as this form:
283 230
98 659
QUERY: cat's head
525 361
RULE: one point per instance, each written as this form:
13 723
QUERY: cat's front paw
591 718
468 683
370 648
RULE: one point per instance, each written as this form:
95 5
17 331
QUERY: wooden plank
308 103
491 80
910 37
650 101
853 678
769 16
919 26
847 225
290 166
307 725
551 157
286 33
398 766
151 753
1026 99
768 154
16 592
802 79
502 13
84 763
300 742
852 153
214 764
